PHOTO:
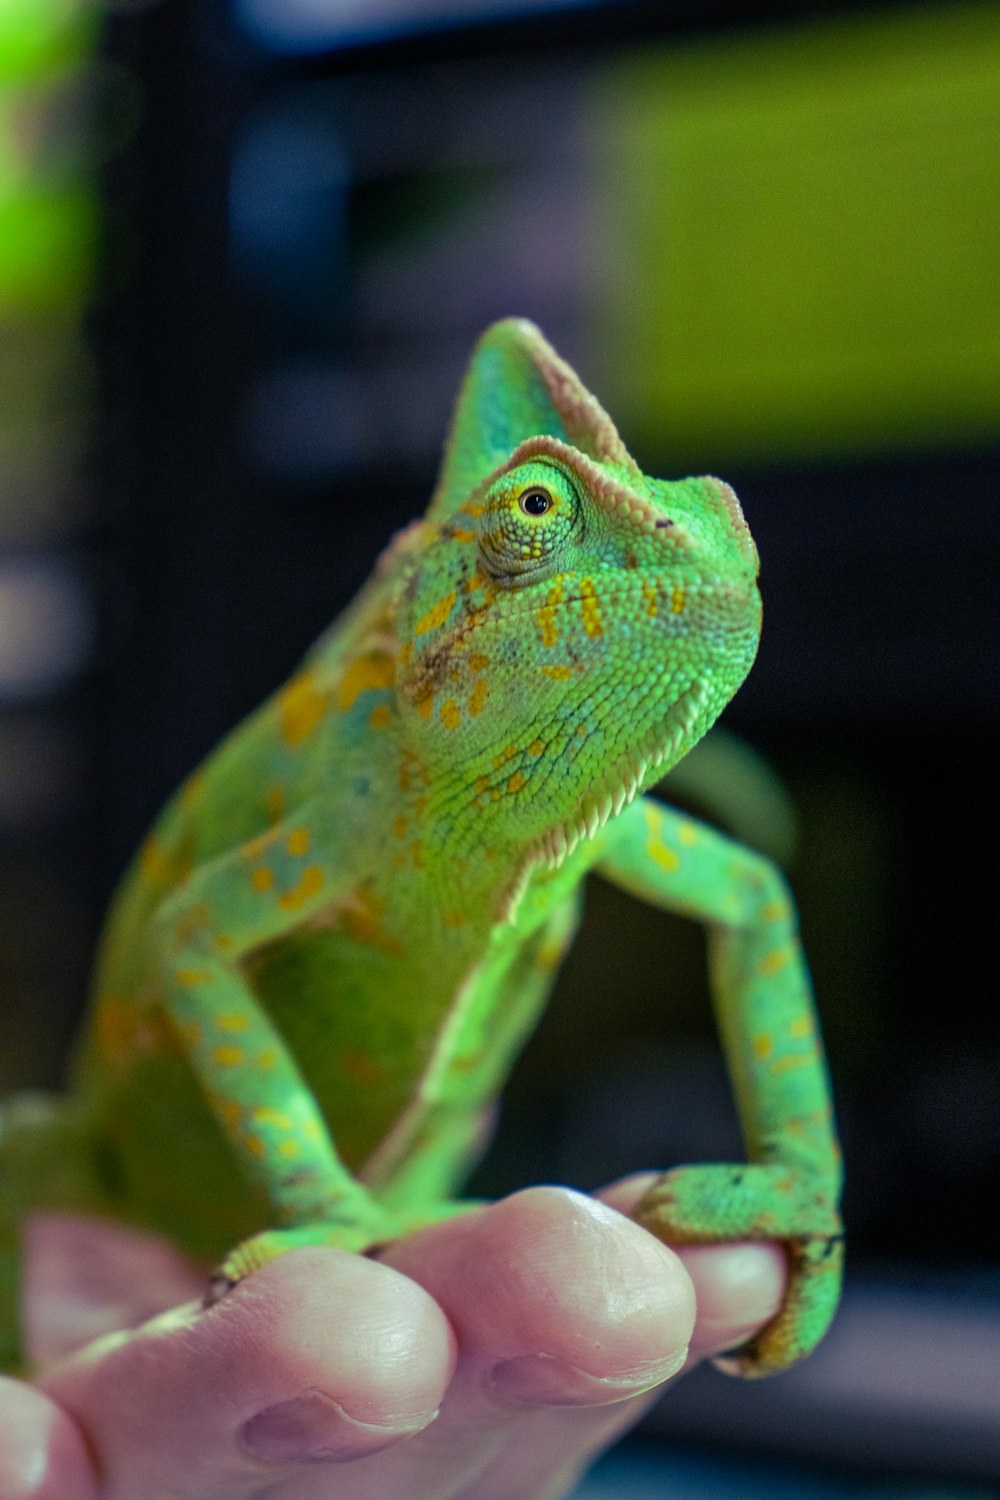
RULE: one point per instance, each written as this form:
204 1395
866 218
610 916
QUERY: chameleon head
568 627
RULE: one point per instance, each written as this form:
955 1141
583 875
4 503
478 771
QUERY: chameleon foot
719 1203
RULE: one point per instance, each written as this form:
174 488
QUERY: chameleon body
317 974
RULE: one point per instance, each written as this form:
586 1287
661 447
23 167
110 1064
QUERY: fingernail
313 1427
553 1382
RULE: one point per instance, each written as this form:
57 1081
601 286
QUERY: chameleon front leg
763 999
226 909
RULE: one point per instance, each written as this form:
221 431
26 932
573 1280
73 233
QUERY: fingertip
43 1455
739 1288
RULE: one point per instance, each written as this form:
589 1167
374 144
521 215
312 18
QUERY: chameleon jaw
685 722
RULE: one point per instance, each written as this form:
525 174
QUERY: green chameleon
316 975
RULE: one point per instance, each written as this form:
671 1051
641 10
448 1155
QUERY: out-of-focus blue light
315 25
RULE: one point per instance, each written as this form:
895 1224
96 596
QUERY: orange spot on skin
274 803
262 878
190 794
298 841
451 714
380 716
255 1145
461 535
557 674
516 782
399 825
481 784
478 662
405 652
425 705
309 885
478 696
267 1058
436 616
536 747
301 706
370 672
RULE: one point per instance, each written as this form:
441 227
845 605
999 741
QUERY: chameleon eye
535 502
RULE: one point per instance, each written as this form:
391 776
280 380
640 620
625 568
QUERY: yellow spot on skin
661 853
267 1058
461 535
687 833
435 617
763 1046
801 1026
223 942
370 672
516 782
677 601
405 652
494 794
274 803
302 706
289 1148
451 715
536 747
274 1117
481 784
794 1060
189 978
546 617
649 595
478 662
478 696
309 885
380 716
228 1057
591 613
454 918
232 1020
774 911
262 878
775 961
425 705
153 862
558 674
298 841
399 825
510 752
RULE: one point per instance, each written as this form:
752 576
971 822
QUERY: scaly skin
317 974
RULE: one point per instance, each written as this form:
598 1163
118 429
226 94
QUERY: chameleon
320 967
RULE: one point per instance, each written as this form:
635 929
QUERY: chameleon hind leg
47 1160
789 1190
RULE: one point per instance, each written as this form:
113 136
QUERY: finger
42 1452
738 1287
564 1312
319 1357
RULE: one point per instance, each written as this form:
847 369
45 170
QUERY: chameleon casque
316 975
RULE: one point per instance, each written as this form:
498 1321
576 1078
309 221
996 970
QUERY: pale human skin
588 1314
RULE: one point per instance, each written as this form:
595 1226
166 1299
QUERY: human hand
538 1329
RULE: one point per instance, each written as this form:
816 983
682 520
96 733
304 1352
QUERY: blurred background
245 248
